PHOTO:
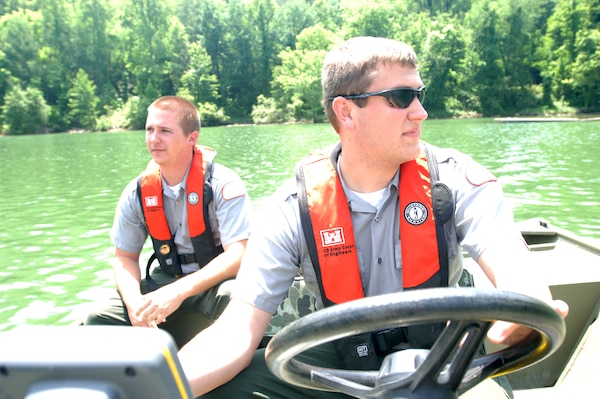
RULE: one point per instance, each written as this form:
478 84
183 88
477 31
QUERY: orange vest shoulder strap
328 226
420 259
151 198
194 187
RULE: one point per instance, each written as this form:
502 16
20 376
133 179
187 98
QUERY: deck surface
581 379
572 271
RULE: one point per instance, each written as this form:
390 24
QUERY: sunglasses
399 98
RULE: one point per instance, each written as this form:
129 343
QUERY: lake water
60 192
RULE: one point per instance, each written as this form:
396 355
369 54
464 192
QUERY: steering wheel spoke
451 354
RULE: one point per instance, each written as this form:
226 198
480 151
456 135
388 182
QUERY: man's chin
158 156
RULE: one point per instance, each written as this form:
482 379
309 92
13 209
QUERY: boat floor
581 377
569 265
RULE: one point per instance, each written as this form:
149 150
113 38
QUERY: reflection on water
57 206
265 156
59 193
547 169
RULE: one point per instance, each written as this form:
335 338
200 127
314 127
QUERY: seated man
358 222
196 212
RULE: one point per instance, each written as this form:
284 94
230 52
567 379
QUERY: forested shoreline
97 64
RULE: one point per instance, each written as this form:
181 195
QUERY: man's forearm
223 267
127 279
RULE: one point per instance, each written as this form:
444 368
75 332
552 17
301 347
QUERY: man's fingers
143 307
500 330
561 307
503 332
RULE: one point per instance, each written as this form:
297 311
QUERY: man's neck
365 177
174 174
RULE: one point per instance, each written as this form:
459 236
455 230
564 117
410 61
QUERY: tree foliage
82 101
24 111
99 63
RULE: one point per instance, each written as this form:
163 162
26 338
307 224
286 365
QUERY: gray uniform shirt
229 215
277 248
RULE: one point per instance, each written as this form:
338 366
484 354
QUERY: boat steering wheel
450 367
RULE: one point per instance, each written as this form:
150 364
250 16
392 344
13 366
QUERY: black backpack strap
207 198
443 209
151 283
307 227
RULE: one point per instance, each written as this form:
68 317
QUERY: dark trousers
257 381
194 314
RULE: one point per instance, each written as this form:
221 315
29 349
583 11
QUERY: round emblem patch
193 198
415 213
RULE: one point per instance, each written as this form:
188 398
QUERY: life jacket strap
186 259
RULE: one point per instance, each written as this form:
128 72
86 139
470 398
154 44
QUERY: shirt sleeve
128 231
483 216
273 253
232 206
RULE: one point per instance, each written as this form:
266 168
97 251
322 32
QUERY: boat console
100 362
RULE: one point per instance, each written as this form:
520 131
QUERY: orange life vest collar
198 195
332 243
152 199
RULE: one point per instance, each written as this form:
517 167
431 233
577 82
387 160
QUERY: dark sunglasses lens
402 98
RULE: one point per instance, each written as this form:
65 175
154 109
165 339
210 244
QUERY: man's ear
193 137
343 110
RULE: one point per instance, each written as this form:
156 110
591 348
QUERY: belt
186 259
386 340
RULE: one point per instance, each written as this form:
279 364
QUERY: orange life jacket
327 225
198 196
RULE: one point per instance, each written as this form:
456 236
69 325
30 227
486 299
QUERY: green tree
328 13
24 111
261 15
560 41
57 59
436 7
296 82
8 6
485 58
94 46
316 38
83 101
19 47
375 18
206 25
291 18
443 68
572 51
303 88
266 110
239 89
212 115
157 55
586 69
198 80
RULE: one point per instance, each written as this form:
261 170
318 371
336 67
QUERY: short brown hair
188 115
349 68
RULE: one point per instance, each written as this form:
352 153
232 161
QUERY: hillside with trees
97 64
